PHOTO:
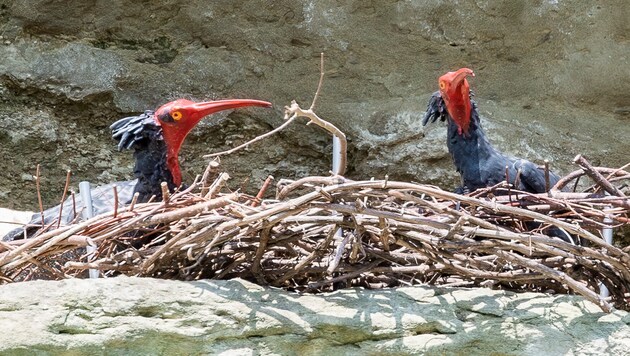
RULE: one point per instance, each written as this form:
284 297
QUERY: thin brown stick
261 192
547 177
558 276
317 251
287 122
262 247
597 177
344 277
580 172
308 182
39 195
63 197
166 194
192 210
217 185
295 110
338 253
115 188
321 81
212 167
134 200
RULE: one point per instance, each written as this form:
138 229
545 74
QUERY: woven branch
330 232
325 233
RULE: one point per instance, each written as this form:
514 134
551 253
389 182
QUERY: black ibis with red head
478 162
156 138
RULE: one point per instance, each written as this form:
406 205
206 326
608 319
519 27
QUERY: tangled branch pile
324 233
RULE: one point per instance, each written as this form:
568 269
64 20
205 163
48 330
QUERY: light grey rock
552 81
126 315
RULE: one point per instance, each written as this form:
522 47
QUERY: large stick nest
324 233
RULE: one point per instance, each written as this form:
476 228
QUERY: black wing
532 178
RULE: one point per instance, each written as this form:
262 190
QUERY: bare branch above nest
293 112
597 177
250 142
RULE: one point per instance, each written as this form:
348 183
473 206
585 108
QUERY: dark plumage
143 134
478 162
155 137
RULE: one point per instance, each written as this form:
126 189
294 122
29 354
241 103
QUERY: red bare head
455 91
179 117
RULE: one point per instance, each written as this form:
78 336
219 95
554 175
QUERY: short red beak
179 117
455 91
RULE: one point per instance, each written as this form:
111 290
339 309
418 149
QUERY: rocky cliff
552 80
143 316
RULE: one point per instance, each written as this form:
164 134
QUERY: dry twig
397 233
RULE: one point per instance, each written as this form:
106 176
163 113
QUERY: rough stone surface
121 316
553 80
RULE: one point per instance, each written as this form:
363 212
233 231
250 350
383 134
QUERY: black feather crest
435 110
132 130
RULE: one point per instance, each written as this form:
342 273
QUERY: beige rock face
553 80
147 316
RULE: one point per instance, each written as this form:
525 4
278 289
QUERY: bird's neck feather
151 169
469 150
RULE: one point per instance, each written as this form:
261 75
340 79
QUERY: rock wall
145 316
552 79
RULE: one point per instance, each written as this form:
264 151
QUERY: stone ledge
148 316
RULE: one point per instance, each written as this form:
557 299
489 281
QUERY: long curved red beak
200 110
187 116
455 91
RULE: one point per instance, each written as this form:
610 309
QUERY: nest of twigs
324 233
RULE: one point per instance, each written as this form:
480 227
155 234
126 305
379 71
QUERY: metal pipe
607 232
88 213
336 168
336 158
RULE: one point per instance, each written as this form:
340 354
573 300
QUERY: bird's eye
442 85
176 115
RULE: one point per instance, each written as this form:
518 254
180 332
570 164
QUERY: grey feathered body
478 162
